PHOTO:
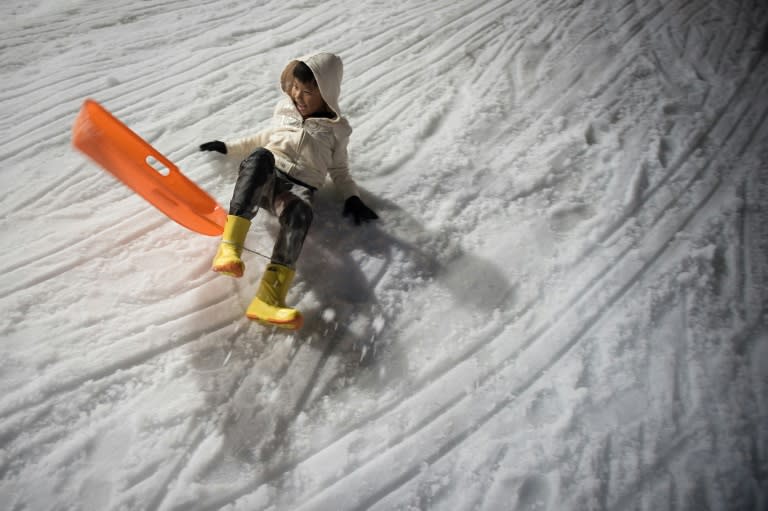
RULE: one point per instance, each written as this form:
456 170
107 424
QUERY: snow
561 308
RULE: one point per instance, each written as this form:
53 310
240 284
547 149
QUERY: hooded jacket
309 149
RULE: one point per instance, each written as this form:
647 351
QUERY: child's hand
215 145
359 211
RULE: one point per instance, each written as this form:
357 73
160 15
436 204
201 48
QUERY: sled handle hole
158 166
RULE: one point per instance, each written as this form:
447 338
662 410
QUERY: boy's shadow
344 266
353 283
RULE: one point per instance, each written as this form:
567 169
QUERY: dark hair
303 73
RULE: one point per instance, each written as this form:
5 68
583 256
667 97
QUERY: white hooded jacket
307 149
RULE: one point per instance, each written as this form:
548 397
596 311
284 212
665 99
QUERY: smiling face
307 98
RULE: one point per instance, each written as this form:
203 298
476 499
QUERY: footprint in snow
545 407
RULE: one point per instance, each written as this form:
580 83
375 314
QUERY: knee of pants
262 155
297 215
259 160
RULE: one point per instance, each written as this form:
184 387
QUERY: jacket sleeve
339 168
243 147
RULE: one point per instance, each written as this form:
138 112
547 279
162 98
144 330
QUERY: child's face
307 98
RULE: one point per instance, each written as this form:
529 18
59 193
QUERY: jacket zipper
301 140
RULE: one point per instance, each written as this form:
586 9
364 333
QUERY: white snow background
563 306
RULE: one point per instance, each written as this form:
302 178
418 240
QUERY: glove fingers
214 145
359 211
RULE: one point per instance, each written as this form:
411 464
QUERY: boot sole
293 324
230 270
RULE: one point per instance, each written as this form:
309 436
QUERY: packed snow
562 307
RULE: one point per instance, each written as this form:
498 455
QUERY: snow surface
563 306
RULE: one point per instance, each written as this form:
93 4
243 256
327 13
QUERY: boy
282 168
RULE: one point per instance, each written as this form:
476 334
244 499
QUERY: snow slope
562 307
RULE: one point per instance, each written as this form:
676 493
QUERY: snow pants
260 185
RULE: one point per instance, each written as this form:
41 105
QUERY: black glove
359 211
215 145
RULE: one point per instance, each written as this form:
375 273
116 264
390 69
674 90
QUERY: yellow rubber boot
227 260
268 306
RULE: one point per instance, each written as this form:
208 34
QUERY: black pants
261 186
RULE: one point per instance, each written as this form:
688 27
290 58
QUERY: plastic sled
117 149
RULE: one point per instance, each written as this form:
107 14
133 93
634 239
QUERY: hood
328 71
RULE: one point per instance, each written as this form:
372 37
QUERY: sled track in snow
705 195
488 43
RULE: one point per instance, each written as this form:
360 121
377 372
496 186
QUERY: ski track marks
462 113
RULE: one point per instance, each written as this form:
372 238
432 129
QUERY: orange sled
116 148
